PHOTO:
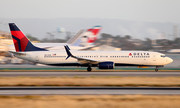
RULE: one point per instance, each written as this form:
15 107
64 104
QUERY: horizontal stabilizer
18 53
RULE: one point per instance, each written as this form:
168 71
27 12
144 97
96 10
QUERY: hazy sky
137 10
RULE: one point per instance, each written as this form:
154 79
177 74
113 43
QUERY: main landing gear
156 69
89 69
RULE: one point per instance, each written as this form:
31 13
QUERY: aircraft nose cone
169 60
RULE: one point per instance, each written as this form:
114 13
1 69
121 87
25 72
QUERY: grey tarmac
89 90
88 74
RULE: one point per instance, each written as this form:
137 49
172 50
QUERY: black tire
156 70
89 69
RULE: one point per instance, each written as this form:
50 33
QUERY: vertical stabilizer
21 42
88 37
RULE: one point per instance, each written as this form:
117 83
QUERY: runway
89 90
87 74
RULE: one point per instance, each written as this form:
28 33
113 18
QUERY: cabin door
154 57
37 57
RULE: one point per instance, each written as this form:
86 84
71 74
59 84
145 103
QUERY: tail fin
88 37
21 42
74 38
95 33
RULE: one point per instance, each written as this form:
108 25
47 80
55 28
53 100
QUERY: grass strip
91 101
92 81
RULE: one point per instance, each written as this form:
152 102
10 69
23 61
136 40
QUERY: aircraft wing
80 59
85 60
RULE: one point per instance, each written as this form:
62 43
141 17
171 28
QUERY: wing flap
85 60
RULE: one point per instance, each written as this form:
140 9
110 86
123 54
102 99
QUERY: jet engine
106 65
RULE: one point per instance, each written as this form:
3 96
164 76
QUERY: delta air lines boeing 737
101 59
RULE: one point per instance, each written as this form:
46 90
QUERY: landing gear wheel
89 69
156 69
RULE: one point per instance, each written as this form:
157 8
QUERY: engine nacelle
106 65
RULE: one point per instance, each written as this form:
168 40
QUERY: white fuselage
174 51
120 58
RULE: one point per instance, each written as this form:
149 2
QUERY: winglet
67 51
68 47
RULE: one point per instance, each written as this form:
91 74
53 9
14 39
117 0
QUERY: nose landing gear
156 69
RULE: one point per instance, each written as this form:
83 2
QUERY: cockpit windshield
163 55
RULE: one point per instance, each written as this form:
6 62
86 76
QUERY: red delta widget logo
138 54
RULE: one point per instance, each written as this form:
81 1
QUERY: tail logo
21 42
95 30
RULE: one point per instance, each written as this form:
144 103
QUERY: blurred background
148 25
126 25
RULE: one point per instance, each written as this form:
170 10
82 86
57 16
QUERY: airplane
174 51
81 41
101 59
